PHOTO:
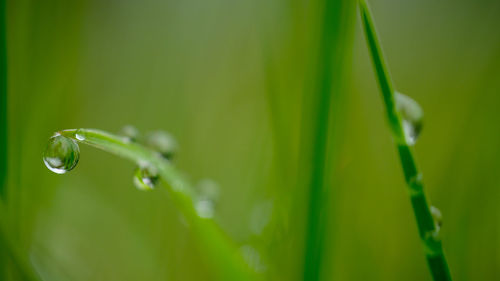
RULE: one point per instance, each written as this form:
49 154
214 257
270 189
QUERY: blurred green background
227 78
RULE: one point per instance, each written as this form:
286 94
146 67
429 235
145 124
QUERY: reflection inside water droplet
412 117
61 154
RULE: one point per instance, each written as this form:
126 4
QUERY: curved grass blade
428 232
218 249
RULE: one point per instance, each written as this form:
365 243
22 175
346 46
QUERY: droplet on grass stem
130 133
61 154
208 195
412 117
163 143
437 216
145 177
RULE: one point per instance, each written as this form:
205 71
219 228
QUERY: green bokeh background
204 71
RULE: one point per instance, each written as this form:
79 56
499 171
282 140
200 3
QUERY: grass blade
428 231
317 124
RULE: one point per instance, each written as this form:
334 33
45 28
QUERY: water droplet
412 117
146 177
130 133
260 216
437 216
162 142
61 154
79 135
209 189
208 195
205 208
252 258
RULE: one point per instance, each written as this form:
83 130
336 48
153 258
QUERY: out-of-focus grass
197 69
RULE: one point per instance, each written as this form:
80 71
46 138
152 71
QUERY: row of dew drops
62 154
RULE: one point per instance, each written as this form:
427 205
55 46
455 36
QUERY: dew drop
162 142
205 208
79 135
130 133
208 196
252 258
412 117
146 178
260 216
61 154
437 216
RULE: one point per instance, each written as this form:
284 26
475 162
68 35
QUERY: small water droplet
209 189
79 135
61 154
437 216
412 117
205 208
130 133
162 142
252 258
260 216
208 195
146 177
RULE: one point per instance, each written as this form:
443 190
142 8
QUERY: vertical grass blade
3 130
317 120
3 101
426 226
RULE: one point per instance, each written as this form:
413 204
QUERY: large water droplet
412 117
61 154
162 142
146 177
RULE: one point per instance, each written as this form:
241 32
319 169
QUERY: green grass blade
426 226
219 251
3 101
317 123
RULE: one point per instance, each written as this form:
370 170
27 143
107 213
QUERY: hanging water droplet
130 133
146 177
61 154
162 142
412 117
437 216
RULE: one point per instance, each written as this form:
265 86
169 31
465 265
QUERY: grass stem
428 232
